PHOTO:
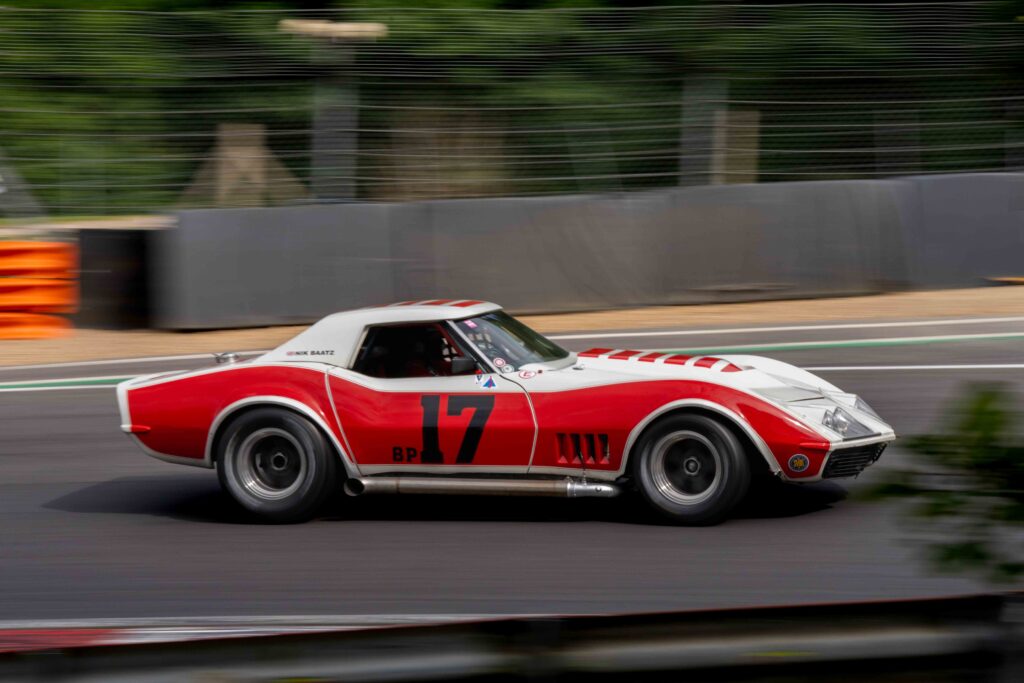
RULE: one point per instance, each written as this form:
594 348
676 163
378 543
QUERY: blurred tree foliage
96 107
965 487
94 111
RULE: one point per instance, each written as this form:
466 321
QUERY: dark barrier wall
249 267
114 279
960 229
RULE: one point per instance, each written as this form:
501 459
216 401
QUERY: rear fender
275 401
176 416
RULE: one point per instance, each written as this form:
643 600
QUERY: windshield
508 343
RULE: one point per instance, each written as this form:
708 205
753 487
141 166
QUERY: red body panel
388 427
376 423
615 410
180 412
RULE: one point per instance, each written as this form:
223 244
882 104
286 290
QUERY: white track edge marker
122 361
597 335
825 368
897 368
789 328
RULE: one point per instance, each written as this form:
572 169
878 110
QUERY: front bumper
849 461
831 459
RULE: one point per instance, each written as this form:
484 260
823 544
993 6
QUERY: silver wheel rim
270 464
686 467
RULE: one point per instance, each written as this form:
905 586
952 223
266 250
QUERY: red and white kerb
709 362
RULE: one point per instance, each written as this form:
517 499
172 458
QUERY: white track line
868 368
598 335
48 384
57 380
310 620
824 368
821 368
789 328
872 341
88 387
117 361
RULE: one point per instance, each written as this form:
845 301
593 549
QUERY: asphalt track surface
91 528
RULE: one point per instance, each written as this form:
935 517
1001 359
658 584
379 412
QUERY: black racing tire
690 469
276 464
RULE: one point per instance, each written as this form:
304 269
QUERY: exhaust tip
354 487
576 489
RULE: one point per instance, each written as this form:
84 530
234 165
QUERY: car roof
334 338
444 309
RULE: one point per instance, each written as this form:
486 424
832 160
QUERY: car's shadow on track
773 499
193 498
198 498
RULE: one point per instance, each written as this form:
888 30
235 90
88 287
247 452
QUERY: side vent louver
583 449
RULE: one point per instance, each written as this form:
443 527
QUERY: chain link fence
111 112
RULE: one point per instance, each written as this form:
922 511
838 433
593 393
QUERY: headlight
836 420
841 422
838 412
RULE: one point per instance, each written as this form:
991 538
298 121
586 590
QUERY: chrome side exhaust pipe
552 488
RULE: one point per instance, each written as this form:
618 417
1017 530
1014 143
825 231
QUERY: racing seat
395 352
416 363
376 361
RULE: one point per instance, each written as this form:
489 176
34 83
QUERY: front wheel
691 469
275 464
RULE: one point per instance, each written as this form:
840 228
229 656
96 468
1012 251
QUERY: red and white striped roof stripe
709 362
458 303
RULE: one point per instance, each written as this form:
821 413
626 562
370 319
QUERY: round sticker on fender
799 462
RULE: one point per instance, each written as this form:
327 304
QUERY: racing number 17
481 407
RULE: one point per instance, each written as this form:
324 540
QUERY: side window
394 351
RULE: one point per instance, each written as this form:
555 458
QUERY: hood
742 372
821 405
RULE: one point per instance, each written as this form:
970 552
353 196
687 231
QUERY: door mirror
463 365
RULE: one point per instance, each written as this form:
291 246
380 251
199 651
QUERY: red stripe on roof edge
623 355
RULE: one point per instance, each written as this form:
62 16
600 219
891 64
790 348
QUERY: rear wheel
691 469
276 464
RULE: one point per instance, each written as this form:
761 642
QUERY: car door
584 418
417 400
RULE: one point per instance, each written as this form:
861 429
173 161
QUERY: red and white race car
452 396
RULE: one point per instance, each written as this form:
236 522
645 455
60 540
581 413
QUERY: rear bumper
122 406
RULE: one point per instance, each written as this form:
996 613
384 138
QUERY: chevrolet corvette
457 396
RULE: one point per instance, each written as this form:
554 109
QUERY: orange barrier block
39 259
37 278
38 295
32 326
